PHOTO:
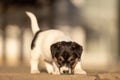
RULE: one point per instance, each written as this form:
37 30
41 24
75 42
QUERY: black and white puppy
61 55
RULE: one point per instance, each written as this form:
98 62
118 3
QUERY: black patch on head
34 39
77 49
66 50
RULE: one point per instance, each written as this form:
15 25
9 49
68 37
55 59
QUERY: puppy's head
66 55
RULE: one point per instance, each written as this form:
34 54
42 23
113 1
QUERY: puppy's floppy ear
55 48
77 48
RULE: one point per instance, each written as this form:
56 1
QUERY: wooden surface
22 73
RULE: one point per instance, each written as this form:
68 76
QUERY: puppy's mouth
66 67
65 70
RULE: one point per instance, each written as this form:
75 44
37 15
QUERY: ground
22 73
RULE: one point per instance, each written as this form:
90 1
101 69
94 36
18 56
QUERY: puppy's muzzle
66 71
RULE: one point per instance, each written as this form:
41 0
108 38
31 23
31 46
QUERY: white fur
78 69
65 68
42 46
33 22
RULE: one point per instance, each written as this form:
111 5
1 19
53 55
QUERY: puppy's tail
34 23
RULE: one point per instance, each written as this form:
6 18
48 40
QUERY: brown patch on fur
62 58
76 61
55 59
69 59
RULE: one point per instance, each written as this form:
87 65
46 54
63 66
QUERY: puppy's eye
72 59
60 63
61 58
70 63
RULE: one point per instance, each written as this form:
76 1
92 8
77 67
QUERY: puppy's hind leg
34 61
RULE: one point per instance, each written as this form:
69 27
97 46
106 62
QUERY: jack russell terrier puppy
60 54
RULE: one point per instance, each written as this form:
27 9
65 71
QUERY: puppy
60 54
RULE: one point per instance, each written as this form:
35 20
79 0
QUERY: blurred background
92 23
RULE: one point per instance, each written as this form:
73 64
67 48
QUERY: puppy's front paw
56 73
35 72
79 72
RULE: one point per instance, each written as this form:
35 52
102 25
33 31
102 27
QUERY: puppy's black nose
65 71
